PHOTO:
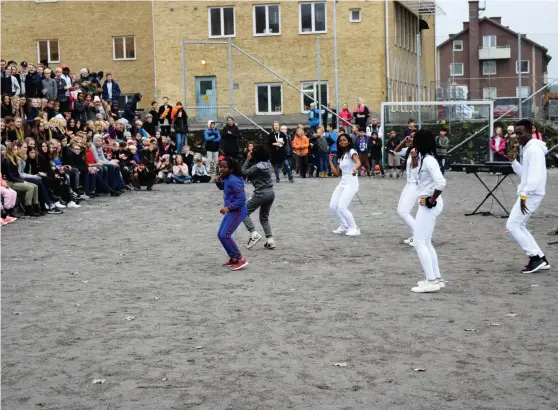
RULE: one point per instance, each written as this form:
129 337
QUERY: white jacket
532 170
430 177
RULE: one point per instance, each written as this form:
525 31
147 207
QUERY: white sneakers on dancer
353 232
341 229
427 286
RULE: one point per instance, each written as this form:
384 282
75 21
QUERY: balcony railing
494 53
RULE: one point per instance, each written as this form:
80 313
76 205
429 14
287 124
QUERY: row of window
488 68
269 97
491 93
487 42
267 19
123 48
406 28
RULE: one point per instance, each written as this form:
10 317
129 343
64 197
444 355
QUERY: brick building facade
140 43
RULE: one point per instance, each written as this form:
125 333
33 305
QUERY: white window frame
48 51
269 85
484 71
455 42
316 95
518 66
313 5
489 93
267 33
222 8
124 49
452 74
489 37
351 20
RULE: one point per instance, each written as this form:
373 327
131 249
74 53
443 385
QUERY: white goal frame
485 103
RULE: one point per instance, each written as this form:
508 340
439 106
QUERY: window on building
406 28
488 41
522 92
457 45
489 67
269 99
524 67
48 50
312 18
267 20
456 69
354 15
221 22
489 93
311 89
124 48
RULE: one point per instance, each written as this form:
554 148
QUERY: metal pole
518 68
231 86
319 62
253 122
183 75
335 62
419 82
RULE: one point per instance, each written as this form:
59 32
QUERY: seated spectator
9 198
146 172
180 173
188 158
199 172
164 169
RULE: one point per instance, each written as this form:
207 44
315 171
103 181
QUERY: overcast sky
536 18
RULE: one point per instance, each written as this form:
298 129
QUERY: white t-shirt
412 173
109 89
347 164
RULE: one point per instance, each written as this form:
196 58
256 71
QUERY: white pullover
532 170
430 177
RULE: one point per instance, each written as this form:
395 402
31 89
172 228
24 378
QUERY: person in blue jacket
331 137
231 182
212 139
313 117
363 147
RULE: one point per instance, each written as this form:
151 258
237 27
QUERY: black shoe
38 210
54 211
277 180
31 212
150 188
92 195
137 188
128 188
291 180
535 264
114 193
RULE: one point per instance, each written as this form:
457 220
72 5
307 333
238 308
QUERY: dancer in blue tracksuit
230 181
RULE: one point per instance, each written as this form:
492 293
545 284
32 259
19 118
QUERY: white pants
341 199
407 201
422 238
517 225
212 157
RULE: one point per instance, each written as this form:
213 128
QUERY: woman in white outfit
431 183
408 197
349 164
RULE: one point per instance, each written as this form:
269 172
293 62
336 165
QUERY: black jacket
277 154
10 171
155 115
162 109
61 94
33 85
80 111
6 84
333 119
149 128
181 123
130 109
230 137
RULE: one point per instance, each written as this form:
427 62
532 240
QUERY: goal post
470 125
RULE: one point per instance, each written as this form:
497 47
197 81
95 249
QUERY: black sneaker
114 193
536 263
54 211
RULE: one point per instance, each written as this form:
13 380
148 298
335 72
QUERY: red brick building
481 62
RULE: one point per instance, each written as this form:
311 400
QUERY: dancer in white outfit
408 197
530 193
349 164
431 183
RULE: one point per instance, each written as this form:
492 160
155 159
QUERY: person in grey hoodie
257 169
50 88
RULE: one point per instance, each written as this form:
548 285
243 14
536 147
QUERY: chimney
465 25
474 43
496 19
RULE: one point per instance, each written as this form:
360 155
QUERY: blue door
206 97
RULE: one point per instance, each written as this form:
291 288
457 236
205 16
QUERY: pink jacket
537 136
346 116
501 149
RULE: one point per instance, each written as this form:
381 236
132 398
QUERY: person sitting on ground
164 168
180 173
199 171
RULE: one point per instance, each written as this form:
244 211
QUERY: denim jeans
287 166
181 179
180 141
324 162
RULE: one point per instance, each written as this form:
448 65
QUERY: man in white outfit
530 191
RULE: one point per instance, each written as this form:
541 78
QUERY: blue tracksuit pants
230 222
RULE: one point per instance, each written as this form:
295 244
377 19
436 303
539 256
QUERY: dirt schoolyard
131 291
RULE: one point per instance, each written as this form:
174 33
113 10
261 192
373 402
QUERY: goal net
469 125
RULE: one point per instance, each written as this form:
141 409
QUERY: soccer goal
469 125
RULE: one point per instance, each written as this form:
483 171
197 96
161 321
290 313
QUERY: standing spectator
14 89
346 118
363 149
149 125
497 146
511 140
130 111
535 133
98 108
287 166
393 160
85 83
69 86
442 144
361 114
328 117
313 117
80 109
5 77
212 139
231 136
22 75
332 136
180 122
376 154
154 113
276 143
6 106
164 113
373 127
62 95
411 128
111 89
323 152
300 146
50 89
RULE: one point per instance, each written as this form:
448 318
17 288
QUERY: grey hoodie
259 174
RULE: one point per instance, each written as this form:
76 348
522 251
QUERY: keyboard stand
490 194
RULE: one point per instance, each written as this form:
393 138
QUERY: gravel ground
269 337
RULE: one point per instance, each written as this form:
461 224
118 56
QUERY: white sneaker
353 232
59 205
409 241
72 204
84 196
440 282
426 286
340 230
254 238
270 244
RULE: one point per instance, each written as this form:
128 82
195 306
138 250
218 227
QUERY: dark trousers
44 197
377 161
201 178
303 165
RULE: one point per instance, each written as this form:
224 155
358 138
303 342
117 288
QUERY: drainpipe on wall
154 55
388 85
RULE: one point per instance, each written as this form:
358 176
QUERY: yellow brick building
140 43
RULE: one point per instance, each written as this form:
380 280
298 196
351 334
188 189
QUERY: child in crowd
230 181
323 151
188 158
300 145
258 169
164 168
376 154
363 149
9 197
180 173
199 172
442 144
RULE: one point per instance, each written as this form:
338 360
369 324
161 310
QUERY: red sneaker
241 263
229 263
10 219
